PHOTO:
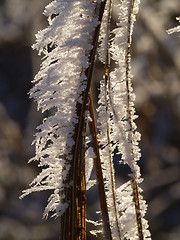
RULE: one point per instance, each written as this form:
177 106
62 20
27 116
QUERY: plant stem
138 210
70 218
135 185
98 171
112 180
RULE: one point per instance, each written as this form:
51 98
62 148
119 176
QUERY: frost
116 124
65 45
95 223
175 29
59 88
89 156
104 33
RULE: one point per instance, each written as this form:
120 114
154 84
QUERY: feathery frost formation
65 44
117 127
59 86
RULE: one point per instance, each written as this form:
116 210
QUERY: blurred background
156 70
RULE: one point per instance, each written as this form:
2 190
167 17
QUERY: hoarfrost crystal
66 45
118 130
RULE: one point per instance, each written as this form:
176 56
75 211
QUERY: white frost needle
175 29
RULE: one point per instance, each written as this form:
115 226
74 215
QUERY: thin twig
135 185
98 171
107 91
107 79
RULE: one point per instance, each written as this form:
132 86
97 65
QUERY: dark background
156 70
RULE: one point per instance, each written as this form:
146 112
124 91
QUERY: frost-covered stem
109 147
107 110
107 91
135 185
72 194
98 171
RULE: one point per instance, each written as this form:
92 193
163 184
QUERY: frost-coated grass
59 86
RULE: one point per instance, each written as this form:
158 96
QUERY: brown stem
81 196
98 171
137 208
107 79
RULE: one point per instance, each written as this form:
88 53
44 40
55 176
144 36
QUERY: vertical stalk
135 185
81 195
98 171
107 105
70 220
107 79
137 208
